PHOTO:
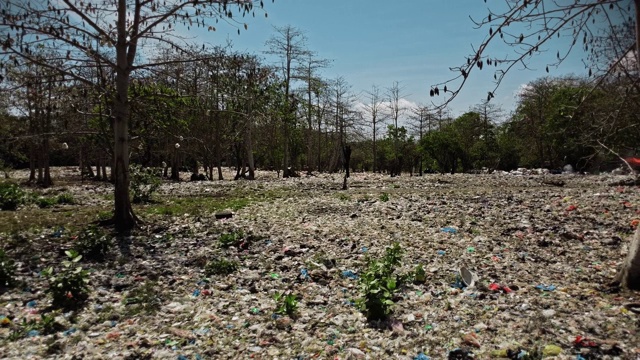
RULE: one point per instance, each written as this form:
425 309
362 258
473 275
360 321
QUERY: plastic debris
551 350
449 230
522 239
544 287
460 354
304 274
349 274
69 332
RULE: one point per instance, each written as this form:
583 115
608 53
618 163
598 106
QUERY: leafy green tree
105 35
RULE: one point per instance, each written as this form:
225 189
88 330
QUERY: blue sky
413 42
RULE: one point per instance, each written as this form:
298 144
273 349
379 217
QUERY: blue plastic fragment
544 287
364 249
32 304
182 357
33 333
449 230
304 273
349 274
69 332
421 356
196 292
458 284
441 252
58 232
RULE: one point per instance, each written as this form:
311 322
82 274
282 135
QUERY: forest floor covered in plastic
542 257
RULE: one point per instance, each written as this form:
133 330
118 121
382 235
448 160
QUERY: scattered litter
544 287
349 274
496 251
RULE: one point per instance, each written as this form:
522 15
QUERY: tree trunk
629 275
123 216
248 145
46 180
346 154
32 162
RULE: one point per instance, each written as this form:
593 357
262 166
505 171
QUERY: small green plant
344 197
220 267
93 243
143 299
11 196
45 325
104 215
69 287
143 183
384 197
231 238
379 283
7 270
65 198
419 275
45 202
286 304
48 323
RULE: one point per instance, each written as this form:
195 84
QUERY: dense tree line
74 92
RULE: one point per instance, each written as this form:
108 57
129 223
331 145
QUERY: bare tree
290 45
395 111
120 28
373 110
541 21
306 71
344 117
420 123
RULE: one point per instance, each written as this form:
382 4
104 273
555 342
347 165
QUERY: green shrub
65 198
231 238
384 197
286 304
379 283
105 215
220 267
68 287
45 202
93 243
144 183
46 325
7 270
11 196
419 275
